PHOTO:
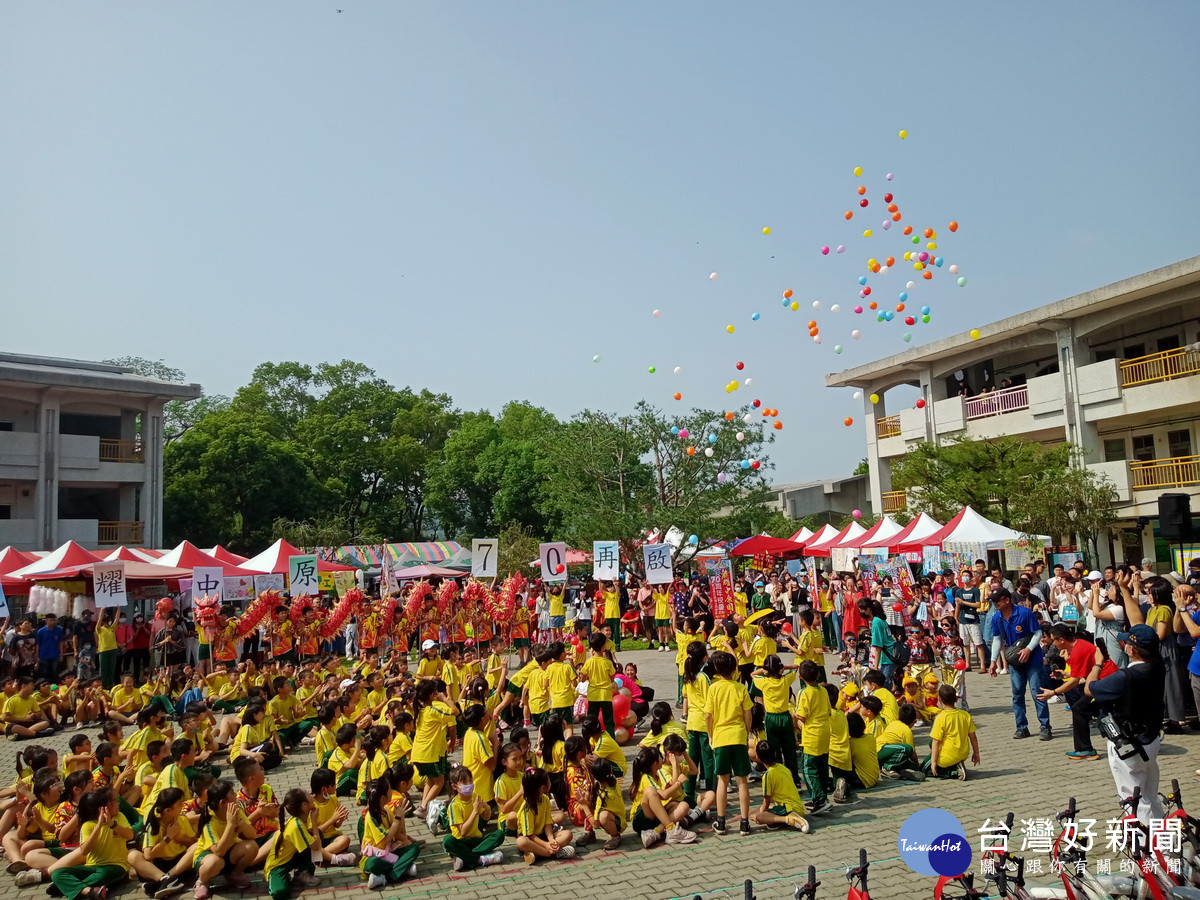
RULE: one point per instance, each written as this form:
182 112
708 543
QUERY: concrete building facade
81 447
1115 371
828 500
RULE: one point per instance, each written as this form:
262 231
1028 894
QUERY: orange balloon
927 275
847 421
691 451
908 229
899 308
849 214
895 217
729 416
891 261
928 232
873 305
861 190
953 226
875 267
892 207
766 412
788 292
812 332
778 426
812 323
678 396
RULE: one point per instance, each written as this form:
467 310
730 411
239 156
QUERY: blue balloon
693 539
712 438
938 262
903 296
745 463
889 315
755 316
924 310
862 279
674 429
879 316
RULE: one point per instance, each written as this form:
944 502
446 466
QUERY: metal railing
121 451
1161 473
120 533
888 426
1160 366
997 403
894 501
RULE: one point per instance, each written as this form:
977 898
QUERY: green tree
518 545
863 468
179 416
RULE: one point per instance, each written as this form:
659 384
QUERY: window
1106 353
1143 447
5 512
1114 449
6 426
1170 342
1179 443
1133 351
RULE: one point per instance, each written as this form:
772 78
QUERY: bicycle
1190 834
1077 881
858 874
808 890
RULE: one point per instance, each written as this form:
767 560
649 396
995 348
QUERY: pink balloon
683 433
824 251
858 309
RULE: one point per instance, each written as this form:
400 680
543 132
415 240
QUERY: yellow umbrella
759 616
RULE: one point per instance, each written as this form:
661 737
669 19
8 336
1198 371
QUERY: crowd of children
173 788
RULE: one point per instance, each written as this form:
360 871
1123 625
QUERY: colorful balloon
834 308
837 348
847 421
657 314
856 334
874 398
713 277
857 513
788 292
962 281
596 358
741 435
921 403
858 395
778 426
678 369
739 366
841 248
683 433
857 170
795 305
754 317
889 176
816 304
975 335
766 229
708 451
903 135
651 370
954 270
858 309
953 226
721 476
824 251
907 337
678 396
729 328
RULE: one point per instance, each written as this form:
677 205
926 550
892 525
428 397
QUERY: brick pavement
1030 778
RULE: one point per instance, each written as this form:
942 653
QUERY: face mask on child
466 789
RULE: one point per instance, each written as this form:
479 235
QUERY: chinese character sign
302 576
720 586
606 560
208 581
484 553
553 558
657 558
108 584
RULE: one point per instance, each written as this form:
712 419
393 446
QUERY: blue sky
479 198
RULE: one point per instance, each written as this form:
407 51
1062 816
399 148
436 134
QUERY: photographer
1133 730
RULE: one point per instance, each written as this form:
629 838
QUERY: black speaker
1175 517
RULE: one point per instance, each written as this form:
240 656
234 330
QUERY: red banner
720 587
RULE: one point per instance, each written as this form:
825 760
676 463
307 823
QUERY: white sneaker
491 859
650 837
567 852
343 859
457 865
29 878
680 835
376 882
307 742
412 871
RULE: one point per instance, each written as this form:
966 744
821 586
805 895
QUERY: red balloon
740 366
961 665
620 707
786 628
897 607
757 404
921 403
561 568
887 198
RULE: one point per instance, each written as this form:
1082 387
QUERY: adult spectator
760 599
1147 571
49 641
124 635
23 649
1161 617
1000 578
1018 631
888 599
1078 655
1187 620
138 648
883 646
966 606
83 633
645 606
1106 613
1133 696
1193 573
172 642
698 604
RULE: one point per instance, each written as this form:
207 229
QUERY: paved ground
1028 777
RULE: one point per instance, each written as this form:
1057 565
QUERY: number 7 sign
483 557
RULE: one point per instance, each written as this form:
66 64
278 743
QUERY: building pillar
46 492
152 484
879 476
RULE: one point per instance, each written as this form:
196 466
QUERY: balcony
121 451
894 501
997 403
1162 366
120 533
888 426
1175 472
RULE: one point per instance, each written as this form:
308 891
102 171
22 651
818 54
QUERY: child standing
727 717
812 712
435 712
952 732
775 686
695 694
598 672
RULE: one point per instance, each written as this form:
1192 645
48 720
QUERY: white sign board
3 602
108 584
657 558
238 589
483 557
553 558
208 581
302 576
269 582
606 560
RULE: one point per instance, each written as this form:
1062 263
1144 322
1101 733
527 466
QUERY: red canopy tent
802 536
824 548
187 556
274 560
882 530
227 557
11 560
134 571
919 528
69 554
128 554
764 543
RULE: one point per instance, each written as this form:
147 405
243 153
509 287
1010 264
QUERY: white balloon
858 395
883 269
747 418
741 435
713 277
708 451
958 376
657 313
749 381
835 308
954 270
816 304
856 334
678 370
816 339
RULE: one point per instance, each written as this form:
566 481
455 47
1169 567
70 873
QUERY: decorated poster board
271 582
720 586
931 560
1018 553
239 589
343 581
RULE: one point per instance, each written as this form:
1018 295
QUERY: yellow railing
120 533
120 451
894 501
888 426
1162 473
1160 366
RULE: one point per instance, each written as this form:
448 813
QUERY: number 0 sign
483 557
554 561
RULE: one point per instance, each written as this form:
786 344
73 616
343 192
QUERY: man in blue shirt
49 641
1017 627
